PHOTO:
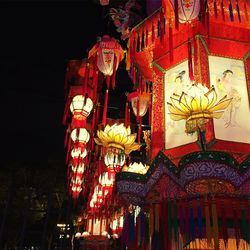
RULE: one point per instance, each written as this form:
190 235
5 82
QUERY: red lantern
107 54
104 2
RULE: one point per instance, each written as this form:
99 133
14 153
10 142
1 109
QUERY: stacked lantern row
80 108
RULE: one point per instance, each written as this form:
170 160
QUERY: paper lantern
80 135
188 10
104 2
80 109
78 154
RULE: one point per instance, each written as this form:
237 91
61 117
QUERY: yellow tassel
215 226
208 225
157 227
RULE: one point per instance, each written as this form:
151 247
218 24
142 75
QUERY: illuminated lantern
135 167
107 54
76 187
139 102
80 136
78 154
188 10
197 106
107 181
80 109
104 2
114 159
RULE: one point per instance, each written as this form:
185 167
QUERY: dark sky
37 39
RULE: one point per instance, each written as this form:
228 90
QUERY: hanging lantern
78 154
139 102
76 186
118 141
188 10
78 169
104 2
107 54
80 136
80 109
107 182
114 158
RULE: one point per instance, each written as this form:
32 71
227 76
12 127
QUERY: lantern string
104 116
114 72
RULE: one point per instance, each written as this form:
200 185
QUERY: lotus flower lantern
197 106
118 142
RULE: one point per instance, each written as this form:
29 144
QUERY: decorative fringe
158 27
138 47
146 38
230 8
153 32
207 221
171 51
151 222
215 9
236 225
114 72
202 12
199 219
157 218
191 221
142 227
175 221
244 227
142 41
105 108
190 62
238 11
246 12
215 225
222 10
169 220
176 14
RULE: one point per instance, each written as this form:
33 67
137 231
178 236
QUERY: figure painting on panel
225 87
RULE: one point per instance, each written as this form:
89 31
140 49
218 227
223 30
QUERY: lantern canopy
107 49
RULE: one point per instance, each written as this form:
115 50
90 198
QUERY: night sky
37 40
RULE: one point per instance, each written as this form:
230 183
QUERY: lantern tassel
171 51
114 72
208 225
230 7
246 13
176 14
215 9
222 10
215 226
107 81
190 63
238 11
199 215
104 116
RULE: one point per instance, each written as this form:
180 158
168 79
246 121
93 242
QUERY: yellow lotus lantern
118 142
196 106
118 137
135 167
